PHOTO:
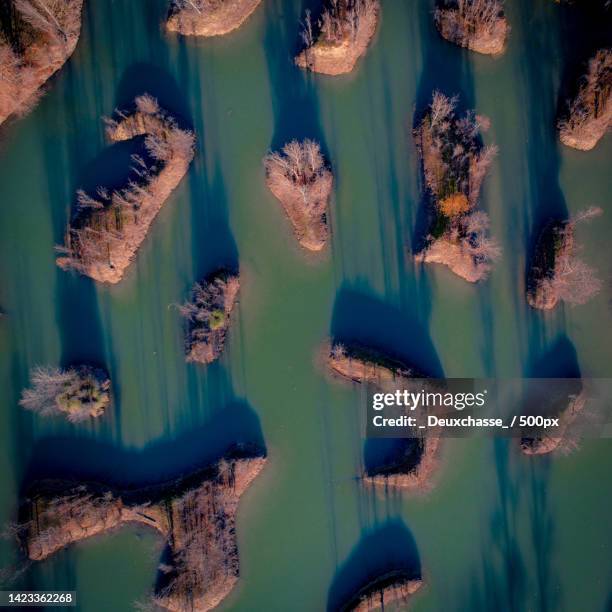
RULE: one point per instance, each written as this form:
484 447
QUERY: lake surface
498 530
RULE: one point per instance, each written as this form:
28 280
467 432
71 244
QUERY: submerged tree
78 393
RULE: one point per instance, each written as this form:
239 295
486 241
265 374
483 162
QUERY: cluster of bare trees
196 6
340 21
590 113
77 393
471 16
299 166
472 230
454 166
454 160
207 315
206 553
49 17
571 279
45 29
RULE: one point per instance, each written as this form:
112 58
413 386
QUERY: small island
196 516
208 17
393 588
43 35
361 364
454 164
108 228
415 460
558 440
589 114
207 315
299 178
478 25
556 271
76 393
340 37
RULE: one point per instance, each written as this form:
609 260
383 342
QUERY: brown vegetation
547 443
208 17
556 272
299 178
412 468
479 25
196 516
108 228
77 393
340 37
364 365
41 37
589 115
391 589
454 165
208 316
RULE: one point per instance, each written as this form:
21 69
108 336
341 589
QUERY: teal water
498 531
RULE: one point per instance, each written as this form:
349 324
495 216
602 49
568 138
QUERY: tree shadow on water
363 318
85 458
294 95
390 547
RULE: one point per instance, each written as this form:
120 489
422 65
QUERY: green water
498 531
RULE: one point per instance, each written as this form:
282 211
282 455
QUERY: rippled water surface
497 531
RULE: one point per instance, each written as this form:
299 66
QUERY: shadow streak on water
159 460
384 548
585 28
294 96
361 317
545 199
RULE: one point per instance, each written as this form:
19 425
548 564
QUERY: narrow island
589 114
393 588
340 37
478 25
195 515
556 271
37 43
559 439
208 17
76 393
108 228
454 164
207 316
415 459
299 178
